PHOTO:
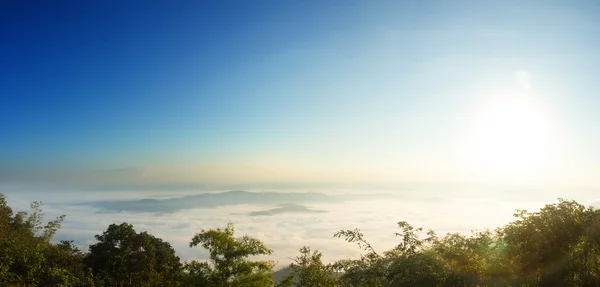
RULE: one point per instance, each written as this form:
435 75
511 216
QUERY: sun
509 140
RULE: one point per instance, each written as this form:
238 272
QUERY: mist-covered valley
286 221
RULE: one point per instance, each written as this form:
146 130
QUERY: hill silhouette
208 200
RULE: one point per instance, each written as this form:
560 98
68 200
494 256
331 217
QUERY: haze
452 109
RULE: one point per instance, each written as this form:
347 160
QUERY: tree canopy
558 245
229 264
124 257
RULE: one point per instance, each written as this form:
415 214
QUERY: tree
309 271
369 270
229 264
195 273
23 242
125 258
64 266
559 245
410 263
542 246
466 261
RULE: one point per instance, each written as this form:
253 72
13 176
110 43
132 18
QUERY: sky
255 94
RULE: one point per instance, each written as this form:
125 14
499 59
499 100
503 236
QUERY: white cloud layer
288 232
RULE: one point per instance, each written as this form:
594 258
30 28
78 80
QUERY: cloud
292 227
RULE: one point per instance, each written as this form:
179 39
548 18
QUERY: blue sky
194 92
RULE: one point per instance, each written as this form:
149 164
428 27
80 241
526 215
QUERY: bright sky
155 93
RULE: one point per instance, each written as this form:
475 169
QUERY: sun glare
510 139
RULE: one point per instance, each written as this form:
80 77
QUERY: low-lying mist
285 221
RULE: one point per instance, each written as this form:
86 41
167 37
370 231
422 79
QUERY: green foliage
196 273
404 265
308 270
125 258
559 245
355 236
369 270
25 248
64 266
551 247
556 246
229 264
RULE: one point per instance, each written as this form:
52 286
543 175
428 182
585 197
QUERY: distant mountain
281 274
207 200
286 208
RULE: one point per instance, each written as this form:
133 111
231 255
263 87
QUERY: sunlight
510 140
